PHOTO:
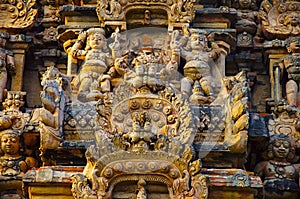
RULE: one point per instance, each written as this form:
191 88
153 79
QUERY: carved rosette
280 19
17 14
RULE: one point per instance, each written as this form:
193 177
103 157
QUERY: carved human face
281 148
148 126
96 41
10 144
293 19
198 41
244 4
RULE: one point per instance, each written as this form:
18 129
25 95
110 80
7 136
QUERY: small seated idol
91 80
13 162
279 175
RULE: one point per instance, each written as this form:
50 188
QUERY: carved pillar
18 45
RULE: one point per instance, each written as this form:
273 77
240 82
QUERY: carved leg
291 92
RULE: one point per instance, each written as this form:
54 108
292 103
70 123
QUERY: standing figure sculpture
279 175
91 80
197 69
292 65
7 65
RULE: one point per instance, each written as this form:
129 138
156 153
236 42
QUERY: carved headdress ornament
92 31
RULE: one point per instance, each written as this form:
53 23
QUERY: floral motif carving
17 14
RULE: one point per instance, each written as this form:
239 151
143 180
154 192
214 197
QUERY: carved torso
292 65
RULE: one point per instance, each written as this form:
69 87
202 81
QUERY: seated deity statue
91 80
197 68
279 175
291 63
7 65
12 161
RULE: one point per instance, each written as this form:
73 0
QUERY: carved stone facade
149 99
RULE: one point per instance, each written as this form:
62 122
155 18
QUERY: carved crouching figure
279 175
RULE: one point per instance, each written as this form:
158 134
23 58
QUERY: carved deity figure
279 175
12 161
51 11
292 65
197 68
145 71
141 190
246 16
7 65
292 23
91 80
141 133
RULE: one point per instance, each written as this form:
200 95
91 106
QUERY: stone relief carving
247 22
237 119
17 14
91 81
279 174
279 19
290 63
7 64
49 118
197 81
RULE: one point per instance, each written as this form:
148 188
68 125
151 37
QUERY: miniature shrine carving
173 99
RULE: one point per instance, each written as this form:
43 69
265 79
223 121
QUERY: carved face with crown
10 144
281 148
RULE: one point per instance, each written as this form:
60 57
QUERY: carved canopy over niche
17 14
280 19
146 12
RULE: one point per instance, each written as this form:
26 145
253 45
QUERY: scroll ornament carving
179 11
17 14
237 119
280 19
